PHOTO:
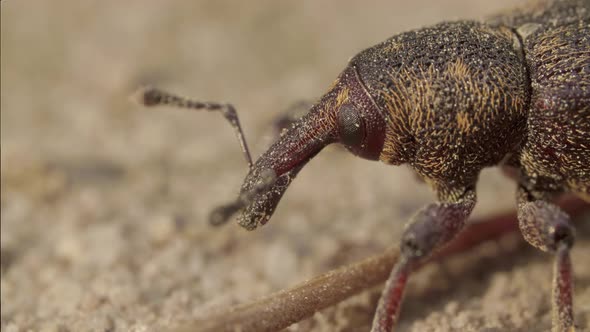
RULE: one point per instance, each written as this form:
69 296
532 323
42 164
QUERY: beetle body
556 154
454 98
450 100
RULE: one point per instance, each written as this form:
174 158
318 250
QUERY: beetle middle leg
430 229
547 227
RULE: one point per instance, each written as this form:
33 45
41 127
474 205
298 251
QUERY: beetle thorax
455 104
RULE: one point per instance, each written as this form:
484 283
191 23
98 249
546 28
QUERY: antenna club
147 96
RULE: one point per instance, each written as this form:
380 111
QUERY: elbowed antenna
150 96
346 114
274 170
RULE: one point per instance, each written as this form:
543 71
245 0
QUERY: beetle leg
390 302
429 230
563 315
547 227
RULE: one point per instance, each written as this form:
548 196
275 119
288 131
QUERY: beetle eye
350 123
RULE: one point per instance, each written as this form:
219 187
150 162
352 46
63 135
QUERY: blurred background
104 203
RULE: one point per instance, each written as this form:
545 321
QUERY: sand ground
104 204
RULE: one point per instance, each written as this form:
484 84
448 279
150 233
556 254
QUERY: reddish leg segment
391 298
547 227
563 306
430 229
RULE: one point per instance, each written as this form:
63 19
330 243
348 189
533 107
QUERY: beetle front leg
430 229
547 227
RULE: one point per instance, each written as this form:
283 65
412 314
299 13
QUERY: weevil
450 100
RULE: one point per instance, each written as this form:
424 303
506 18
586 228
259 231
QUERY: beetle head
345 114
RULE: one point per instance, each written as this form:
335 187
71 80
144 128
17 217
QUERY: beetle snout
262 190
